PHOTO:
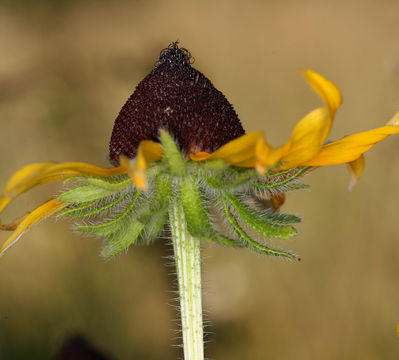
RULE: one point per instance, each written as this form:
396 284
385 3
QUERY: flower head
178 140
179 99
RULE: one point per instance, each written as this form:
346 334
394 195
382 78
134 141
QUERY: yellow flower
306 147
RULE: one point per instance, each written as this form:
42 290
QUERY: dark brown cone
177 98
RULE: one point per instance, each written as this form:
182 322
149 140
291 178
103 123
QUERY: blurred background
66 69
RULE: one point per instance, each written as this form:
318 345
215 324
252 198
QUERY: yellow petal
33 175
394 121
278 200
13 225
267 156
147 152
351 147
326 89
307 138
25 173
47 209
356 168
309 134
238 152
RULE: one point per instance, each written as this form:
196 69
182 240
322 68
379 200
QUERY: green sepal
172 154
93 208
221 240
74 210
112 226
85 193
226 182
156 215
199 224
284 219
121 240
154 223
218 164
110 183
161 194
253 219
250 243
286 177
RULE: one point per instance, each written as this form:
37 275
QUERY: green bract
210 194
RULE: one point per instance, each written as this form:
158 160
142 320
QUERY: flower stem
188 265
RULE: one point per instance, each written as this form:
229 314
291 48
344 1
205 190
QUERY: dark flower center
179 99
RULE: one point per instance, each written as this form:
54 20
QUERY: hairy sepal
175 159
197 217
112 184
156 216
107 228
258 222
248 242
82 194
122 239
92 208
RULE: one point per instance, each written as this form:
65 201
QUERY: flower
179 139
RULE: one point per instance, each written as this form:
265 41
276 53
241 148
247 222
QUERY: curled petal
238 152
311 132
351 147
13 225
21 181
278 200
394 121
356 168
326 89
42 212
307 138
267 156
27 172
147 152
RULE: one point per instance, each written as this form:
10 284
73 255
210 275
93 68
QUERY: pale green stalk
188 265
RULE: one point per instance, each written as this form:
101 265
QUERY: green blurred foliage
66 68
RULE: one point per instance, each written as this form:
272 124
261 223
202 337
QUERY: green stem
188 265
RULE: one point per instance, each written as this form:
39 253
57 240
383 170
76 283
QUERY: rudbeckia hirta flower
182 160
177 124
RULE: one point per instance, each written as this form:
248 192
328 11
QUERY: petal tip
394 121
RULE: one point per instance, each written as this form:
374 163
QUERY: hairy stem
188 265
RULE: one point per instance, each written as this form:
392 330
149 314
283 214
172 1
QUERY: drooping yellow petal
351 147
307 138
25 173
356 168
311 132
33 175
326 89
278 200
238 152
394 121
47 209
22 176
267 156
308 135
13 225
147 152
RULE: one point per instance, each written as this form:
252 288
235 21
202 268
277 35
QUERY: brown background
66 68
